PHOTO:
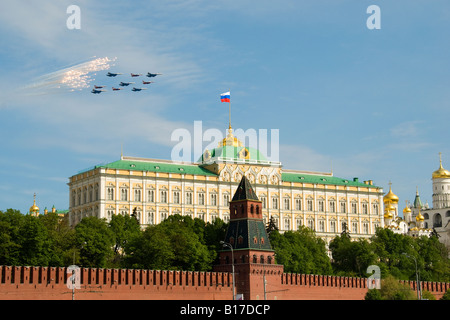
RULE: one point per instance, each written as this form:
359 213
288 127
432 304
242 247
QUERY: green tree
94 241
61 237
177 243
446 295
10 224
35 245
392 289
189 251
123 228
351 257
149 250
214 233
301 251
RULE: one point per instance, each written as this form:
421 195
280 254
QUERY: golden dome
34 208
390 196
388 211
406 210
388 215
420 217
441 172
230 140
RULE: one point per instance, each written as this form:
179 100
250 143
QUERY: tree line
184 243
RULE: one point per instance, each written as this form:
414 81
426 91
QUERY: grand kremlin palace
154 189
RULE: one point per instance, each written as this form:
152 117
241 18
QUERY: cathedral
152 189
418 218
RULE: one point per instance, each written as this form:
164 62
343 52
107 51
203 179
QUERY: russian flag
225 97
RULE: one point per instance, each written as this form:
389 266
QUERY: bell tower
247 248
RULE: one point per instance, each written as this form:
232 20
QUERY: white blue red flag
225 97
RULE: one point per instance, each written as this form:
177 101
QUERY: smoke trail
73 78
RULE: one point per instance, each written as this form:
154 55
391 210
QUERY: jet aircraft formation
99 89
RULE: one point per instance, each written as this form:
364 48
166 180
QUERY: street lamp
226 244
419 290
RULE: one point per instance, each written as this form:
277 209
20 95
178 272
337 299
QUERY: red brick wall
33 283
29 283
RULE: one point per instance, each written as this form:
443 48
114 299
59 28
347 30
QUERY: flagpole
229 111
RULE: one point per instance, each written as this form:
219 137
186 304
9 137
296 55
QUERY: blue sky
374 103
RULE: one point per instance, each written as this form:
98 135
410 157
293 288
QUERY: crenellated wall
51 283
47 283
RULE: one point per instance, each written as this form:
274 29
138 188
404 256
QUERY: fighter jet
147 82
99 87
109 74
124 84
116 89
138 89
96 91
151 75
135 75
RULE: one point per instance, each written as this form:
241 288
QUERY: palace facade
154 189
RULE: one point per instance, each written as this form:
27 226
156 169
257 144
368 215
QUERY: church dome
441 172
407 210
34 209
390 197
420 217
388 211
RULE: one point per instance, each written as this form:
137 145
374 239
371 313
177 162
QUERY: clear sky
374 103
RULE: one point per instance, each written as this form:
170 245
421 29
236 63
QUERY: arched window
255 259
261 259
437 220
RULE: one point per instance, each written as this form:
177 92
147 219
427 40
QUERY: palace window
343 207
176 197
286 203
151 196
365 208
109 214
164 215
151 217
354 227
354 207
274 203
299 223
321 206
311 224
309 203
213 197
201 198
365 228
263 201
123 194
321 225
163 196
298 204
332 226
110 193
137 195
332 205
188 197
375 208
226 200
287 223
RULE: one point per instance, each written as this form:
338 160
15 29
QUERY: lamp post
419 290
226 244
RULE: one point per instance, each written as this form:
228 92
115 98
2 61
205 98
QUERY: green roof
157 167
320 179
230 153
